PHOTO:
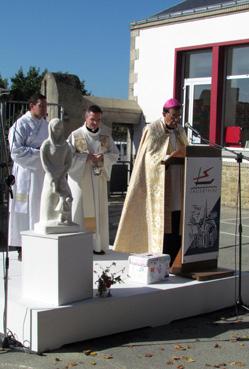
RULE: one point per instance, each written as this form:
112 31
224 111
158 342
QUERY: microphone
188 125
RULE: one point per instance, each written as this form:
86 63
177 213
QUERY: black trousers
172 241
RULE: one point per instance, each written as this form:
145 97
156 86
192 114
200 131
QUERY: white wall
155 64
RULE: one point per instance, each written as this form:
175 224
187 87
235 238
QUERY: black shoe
99 252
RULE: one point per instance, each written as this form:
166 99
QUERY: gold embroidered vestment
145 216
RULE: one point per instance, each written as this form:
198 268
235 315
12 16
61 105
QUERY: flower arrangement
106 279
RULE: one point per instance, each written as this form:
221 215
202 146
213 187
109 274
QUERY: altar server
25 138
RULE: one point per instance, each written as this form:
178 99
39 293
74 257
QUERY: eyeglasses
175 116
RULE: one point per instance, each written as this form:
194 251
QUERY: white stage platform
43 327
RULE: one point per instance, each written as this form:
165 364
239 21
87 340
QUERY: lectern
198 255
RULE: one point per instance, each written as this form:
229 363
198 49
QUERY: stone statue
56 197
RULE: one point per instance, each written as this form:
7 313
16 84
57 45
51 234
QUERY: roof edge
196 13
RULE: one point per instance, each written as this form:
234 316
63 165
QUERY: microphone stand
239 158
7 340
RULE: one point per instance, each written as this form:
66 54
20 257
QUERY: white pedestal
131 306
57 269
53 227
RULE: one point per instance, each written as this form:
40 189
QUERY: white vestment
25 139
89 191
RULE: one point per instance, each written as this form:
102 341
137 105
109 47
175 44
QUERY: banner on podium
201 213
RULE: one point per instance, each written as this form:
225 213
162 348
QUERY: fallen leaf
93 353
188 359
71 364
175 358
107 356
245 337
148 354
170 362
234 339
238 363
217 345
180 366
93 363
57 359
180 347
87 352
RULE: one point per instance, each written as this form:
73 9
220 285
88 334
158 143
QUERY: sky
90 39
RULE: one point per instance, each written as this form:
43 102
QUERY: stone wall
229 188
64 89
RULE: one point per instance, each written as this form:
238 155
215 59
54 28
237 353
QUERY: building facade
198 51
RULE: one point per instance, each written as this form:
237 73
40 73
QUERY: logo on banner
203 178
204 181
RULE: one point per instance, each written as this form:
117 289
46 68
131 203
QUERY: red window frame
217 78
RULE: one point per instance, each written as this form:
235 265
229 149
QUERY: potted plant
106 279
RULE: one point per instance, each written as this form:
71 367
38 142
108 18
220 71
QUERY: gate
119 178
121 171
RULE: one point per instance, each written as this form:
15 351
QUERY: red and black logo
199 180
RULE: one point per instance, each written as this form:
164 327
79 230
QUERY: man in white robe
94 155
25 138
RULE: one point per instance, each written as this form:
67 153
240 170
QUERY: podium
198 254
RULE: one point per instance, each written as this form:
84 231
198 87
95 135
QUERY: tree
72 80
3 82
24 86
83 89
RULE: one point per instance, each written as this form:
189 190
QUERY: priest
153 201
94 154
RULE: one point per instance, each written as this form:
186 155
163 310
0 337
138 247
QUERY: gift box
148 268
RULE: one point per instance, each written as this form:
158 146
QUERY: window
236 91
198 64
196 94
237 60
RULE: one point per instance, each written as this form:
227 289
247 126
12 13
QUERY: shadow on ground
197 329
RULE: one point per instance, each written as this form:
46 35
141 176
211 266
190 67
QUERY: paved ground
218 340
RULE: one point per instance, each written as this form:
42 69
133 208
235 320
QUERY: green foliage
119 132
24 86
72 80
83 89
3 82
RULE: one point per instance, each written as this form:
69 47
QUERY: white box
57 269
148 268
